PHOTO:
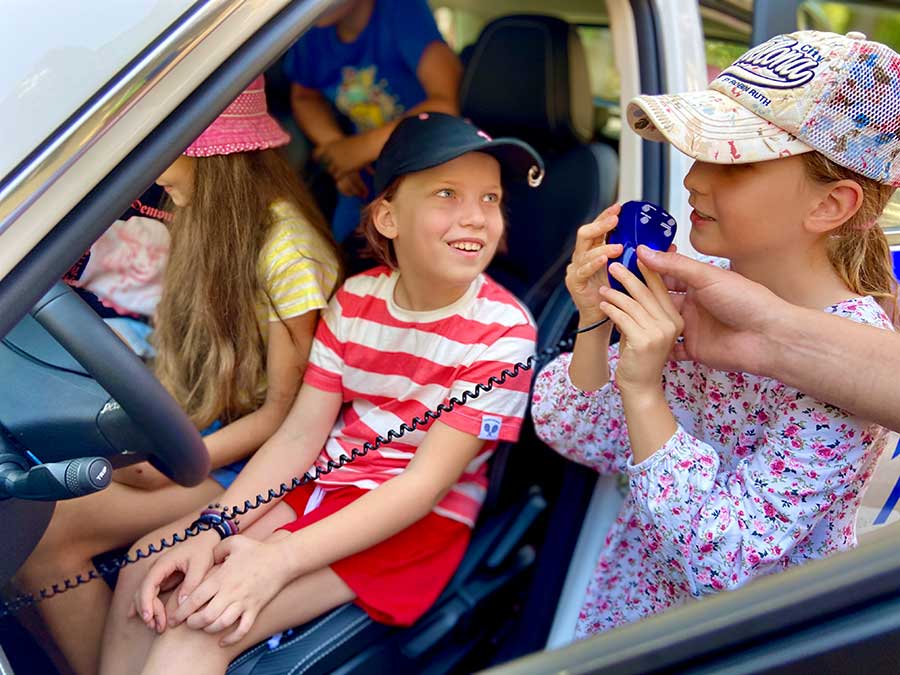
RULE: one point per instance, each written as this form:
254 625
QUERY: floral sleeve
713 529
588 427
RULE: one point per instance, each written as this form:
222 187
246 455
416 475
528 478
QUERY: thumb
223 549
685 271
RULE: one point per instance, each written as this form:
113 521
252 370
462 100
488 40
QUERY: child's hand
649 324
190 561
586 274
345 155
247 576
352 185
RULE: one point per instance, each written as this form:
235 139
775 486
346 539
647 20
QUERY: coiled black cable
104 569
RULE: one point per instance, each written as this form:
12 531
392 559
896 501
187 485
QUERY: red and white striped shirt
392 364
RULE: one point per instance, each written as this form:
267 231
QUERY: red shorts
398 580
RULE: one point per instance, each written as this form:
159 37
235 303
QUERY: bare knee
186 645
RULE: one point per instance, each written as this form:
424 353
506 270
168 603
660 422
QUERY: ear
839 202
383 219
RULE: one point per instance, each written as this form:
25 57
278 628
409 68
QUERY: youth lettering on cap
780 63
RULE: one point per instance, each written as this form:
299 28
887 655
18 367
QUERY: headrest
527 77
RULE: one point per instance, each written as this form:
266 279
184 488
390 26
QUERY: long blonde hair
211 354
858 249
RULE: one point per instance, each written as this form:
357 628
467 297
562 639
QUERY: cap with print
809 90
428 139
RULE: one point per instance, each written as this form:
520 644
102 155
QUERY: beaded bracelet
216 520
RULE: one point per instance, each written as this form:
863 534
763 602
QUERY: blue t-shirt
371 80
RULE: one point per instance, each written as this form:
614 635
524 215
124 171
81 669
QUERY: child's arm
287 355
576 409
379 514
440 72
314 116
586 427
286 358
710 530
288 454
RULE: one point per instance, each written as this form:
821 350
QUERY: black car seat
527 77
549 106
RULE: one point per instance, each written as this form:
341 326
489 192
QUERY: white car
98 98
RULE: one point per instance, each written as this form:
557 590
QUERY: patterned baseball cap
809 90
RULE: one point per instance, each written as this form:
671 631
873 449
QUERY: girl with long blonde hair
732 475
251 263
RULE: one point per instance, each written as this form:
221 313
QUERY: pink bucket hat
244 125
809 90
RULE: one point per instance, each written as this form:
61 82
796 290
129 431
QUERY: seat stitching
317 655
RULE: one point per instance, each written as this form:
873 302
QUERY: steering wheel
178 451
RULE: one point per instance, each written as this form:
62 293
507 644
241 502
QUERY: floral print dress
758 477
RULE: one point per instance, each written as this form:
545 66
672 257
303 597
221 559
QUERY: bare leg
83 528
195 652
127 641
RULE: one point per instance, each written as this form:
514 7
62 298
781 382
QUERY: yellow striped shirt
298 269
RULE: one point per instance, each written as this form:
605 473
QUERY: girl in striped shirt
388 530
250 264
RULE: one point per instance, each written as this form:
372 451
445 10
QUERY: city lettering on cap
780 63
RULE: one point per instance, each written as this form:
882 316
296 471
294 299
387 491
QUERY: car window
598 47
62 57
727 35
460 27
879 23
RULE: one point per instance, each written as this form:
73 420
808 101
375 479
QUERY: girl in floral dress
732 475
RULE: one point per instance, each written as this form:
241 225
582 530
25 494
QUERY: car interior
555 111
501 603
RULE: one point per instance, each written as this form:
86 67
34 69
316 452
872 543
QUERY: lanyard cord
104 569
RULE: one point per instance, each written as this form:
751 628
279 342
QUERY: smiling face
445 223
178 180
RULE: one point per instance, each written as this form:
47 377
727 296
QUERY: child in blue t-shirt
375 61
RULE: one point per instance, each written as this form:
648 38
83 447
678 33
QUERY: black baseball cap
428 139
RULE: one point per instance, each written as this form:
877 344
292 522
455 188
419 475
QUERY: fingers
587 264
681 268
192 579
224 548
213 611
661 294
229 617
680 352
352 185
241 631
626 325
648 308
159 616
588 235
623 302
638 291
148 591
193 601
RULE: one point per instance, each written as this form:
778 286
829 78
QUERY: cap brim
709 126
518 161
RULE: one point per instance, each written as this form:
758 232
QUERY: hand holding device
640 223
